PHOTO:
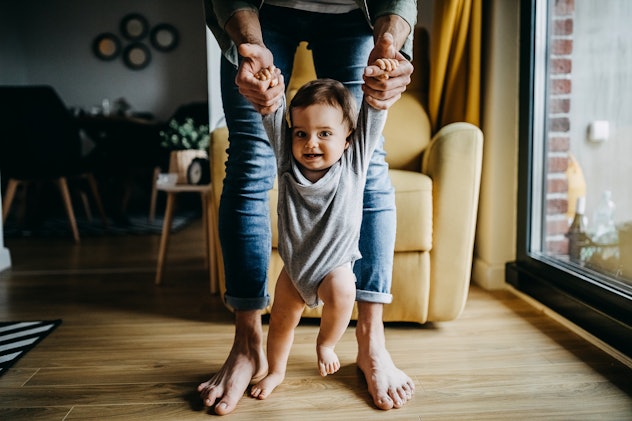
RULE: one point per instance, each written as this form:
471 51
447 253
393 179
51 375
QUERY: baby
322 160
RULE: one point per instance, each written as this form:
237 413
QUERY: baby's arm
371 120
273 123
276 128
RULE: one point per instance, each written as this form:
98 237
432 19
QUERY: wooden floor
128 350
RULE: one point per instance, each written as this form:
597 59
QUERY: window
576 153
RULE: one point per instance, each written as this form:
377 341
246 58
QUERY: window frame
582 298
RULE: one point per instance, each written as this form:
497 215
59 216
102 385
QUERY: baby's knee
347 290
338 291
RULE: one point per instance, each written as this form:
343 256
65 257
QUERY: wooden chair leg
97 198
154 195
65 194
9 195
164 238
86 205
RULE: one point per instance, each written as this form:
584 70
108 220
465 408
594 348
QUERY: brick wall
558 141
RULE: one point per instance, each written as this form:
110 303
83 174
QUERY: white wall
50 43
496 230
5 256
213 57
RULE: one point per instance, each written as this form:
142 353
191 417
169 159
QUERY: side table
208 217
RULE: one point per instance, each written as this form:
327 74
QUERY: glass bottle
577 238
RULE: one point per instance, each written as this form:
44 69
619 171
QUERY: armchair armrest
453 161
217 157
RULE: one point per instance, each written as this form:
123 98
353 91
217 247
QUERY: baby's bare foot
328 362
263 389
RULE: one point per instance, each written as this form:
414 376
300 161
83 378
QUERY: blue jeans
340 44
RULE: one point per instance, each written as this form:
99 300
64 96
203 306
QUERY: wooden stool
208 217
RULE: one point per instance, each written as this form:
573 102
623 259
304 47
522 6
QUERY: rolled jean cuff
245 304
373 297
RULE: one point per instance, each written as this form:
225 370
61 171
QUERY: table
126 151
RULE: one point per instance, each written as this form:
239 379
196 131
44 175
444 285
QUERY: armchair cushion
406 133
413 200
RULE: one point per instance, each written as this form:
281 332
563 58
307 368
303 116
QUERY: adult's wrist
395 25
243 27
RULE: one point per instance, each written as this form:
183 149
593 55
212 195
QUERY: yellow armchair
436 183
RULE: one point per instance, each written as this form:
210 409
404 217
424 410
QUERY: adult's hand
380 92
264 94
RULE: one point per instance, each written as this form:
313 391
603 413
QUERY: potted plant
187 141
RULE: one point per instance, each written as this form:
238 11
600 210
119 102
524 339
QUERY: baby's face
319 138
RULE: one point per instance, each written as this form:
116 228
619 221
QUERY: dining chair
40 142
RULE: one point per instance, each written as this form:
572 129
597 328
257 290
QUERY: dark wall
50 43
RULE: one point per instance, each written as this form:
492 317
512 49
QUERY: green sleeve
406 9
217 13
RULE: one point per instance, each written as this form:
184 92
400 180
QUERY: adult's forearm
398 17
395 25
244 27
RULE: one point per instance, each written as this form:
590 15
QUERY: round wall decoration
134 26
106 46
164 37
136 56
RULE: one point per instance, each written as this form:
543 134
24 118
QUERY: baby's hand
267 73
387 65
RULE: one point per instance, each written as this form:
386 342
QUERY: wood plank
34 414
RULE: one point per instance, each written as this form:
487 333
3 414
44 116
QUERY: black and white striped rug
17 338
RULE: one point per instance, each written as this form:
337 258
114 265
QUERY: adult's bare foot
245 363
389 386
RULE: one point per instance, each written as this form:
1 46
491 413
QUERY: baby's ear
348 140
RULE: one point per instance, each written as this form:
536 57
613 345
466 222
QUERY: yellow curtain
455 63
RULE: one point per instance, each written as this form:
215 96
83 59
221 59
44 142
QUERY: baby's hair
328 92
